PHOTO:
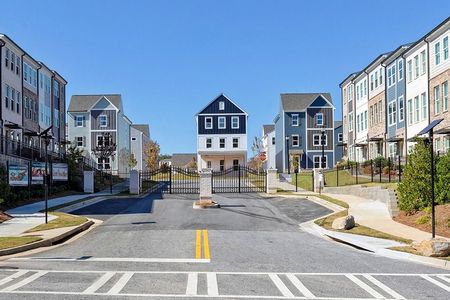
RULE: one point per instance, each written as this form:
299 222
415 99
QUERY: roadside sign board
18 175
60 172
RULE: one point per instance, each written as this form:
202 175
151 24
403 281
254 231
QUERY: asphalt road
251 247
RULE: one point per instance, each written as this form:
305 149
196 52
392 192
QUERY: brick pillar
135 184
318 180
271 181
205 185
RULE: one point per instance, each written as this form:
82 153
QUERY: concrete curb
48 242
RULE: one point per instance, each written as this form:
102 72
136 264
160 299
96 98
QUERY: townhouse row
32 100
99 120
387 103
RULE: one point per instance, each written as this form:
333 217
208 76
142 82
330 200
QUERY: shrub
415 189
423 219
443 179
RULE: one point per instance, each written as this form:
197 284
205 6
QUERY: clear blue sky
170 58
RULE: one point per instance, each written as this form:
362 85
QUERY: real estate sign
18 175
37 172
60 172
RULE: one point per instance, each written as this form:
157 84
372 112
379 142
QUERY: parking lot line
120 284
198 244
12 277
385 288
99 283
281 286
364 286
211 279
300 286
438 283
206 253
25 281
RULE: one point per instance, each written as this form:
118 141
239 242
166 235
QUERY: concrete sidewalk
29 216
374 214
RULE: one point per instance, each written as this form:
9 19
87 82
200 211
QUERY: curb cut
48 242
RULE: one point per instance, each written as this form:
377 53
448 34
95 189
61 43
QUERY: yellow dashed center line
198 244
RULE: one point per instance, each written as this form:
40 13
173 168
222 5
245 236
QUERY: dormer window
222 123
221 105
208 123
319 119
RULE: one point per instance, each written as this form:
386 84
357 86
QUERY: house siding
111 116
228 130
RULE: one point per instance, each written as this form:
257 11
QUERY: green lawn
358 229
15 241
332 179
63 220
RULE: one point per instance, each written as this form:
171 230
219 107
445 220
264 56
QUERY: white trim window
79 121
410 112
400 70
79 141
371 82
409 63
208 164
235 122
423 61
445 47
392 113
350 121
208 143
222 143
318 161
317 138
417 108
103 163
295 140
295 121
437 99
376 78
103 121
319 119
391 75
235 142
340 137
447 144
401 109
103 140
437 53
416 66
424 106
221 105
222 123
445 96
208 123
273 140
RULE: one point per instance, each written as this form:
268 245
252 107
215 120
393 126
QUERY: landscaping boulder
434 247
346 223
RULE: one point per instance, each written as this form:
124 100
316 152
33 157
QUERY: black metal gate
239 179
171 180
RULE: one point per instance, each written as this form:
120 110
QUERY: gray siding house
90 117
298 131
140 136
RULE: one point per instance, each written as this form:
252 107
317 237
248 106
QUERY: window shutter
84 121
84 141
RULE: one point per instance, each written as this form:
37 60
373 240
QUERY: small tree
415 188
257 149
443 179
132 161
192 164
151 152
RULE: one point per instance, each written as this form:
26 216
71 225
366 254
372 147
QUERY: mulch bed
442 220
4 217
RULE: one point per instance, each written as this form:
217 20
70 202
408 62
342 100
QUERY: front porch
220 162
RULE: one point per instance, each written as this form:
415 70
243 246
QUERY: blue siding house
338 141
396 102
298 131
221 135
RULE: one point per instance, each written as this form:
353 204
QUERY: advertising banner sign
18 175
37 172
60 172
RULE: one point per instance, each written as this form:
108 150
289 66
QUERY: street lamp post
287 155
47 139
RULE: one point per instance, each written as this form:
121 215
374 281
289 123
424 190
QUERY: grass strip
358 229
62 220
411 250
16 241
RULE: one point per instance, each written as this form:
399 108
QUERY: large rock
434 247
346 223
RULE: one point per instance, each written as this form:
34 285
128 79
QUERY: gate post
271 184
205 186
134 182
239 175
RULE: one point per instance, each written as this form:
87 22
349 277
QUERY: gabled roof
86 102
268 128
378 60
396 53
224 98
349 77
182 159
427 36
300 101
337 124
144 128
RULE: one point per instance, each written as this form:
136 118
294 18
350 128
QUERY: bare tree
151 152
105 149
